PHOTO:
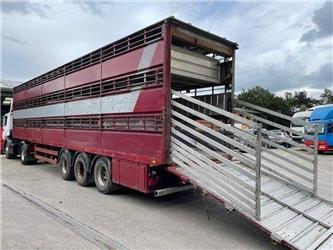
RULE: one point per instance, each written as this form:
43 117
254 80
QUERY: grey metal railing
288 160
214 156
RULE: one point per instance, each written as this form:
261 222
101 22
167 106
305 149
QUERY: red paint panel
28 134
129 173
53 86
158 56
19 96
18 133
150 100
140 144
143 178
33 92
122 64
116 170
87 75
81 140
53 137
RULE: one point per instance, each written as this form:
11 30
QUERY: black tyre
25 157
81 166
66 165
103 176
8 153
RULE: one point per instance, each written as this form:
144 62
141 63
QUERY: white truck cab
7 125
298 124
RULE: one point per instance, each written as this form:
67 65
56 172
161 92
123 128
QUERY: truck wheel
103 176
8 154
81 166
66 166
25 157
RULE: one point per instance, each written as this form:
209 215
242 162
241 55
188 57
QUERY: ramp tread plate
327 244
310 237
320 211
282 216
295 228
281 220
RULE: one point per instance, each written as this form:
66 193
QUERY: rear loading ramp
263 193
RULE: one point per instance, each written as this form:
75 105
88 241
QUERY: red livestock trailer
105 117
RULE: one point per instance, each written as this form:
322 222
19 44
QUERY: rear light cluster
322 145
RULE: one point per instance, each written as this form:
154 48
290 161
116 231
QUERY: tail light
322 145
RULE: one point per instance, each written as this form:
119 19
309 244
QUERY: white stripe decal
147 56
107 104
88 106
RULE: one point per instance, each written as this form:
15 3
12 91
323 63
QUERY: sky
283 46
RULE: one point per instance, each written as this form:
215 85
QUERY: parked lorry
154 112
111 107
298 124
321 118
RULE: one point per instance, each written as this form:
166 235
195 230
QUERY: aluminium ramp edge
290 216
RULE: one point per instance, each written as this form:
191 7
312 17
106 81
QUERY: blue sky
283 46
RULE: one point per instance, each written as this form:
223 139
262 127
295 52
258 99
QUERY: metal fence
208 150
282 157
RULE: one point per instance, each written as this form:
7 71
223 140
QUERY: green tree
264 98
326 97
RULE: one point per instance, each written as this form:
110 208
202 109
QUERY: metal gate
273 190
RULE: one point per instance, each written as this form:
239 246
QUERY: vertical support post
233 81
315 161
165 157
258 171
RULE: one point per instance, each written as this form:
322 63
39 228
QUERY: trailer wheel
103 176
25 157
66 166
81 166
8 154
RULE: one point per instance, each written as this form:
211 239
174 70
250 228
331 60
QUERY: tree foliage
289 104
326 97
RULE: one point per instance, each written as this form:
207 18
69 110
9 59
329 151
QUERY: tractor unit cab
322 120
6 129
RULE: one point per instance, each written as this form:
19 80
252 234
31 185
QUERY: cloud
311 92
270 53
323 76
13 39
94 7
323 21
24 7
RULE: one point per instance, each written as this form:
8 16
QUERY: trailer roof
55 73
197 30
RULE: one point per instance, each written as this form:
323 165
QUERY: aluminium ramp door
201 154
